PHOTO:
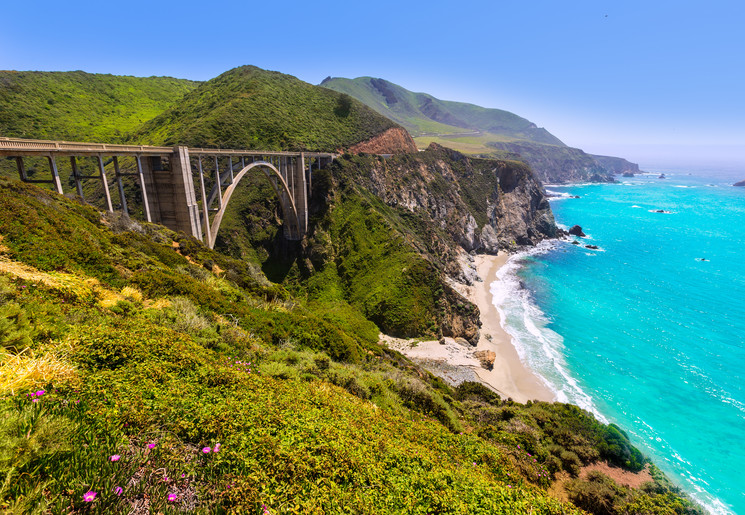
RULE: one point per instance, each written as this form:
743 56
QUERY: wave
537 345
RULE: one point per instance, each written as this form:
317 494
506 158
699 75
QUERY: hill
83 106
248 107
145 369
142 371
475 130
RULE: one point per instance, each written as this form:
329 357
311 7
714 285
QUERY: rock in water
577 231
741 183
486 357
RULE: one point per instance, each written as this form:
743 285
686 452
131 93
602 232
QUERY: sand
510 377
455 362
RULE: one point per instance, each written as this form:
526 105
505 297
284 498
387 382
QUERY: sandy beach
457 362
510 377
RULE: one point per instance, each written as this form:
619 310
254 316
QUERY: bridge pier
170 195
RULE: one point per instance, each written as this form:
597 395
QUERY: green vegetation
248 107
424 114
82 106
147 380
475 130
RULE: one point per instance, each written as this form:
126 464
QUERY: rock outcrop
576 230
484 205
739 184
486 358
392 141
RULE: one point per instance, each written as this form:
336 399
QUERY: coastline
509 376
456 361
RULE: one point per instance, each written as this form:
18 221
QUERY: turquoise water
643 332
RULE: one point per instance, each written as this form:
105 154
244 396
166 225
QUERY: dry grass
25 371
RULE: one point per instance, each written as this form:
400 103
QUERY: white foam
537 345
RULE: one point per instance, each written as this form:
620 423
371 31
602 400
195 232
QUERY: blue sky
648 79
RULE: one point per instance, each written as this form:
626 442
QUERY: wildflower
89 496
118 490
266 510
217 447
172 497
183 476
115 457
206 450
151 445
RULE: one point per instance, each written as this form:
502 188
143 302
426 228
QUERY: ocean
647 331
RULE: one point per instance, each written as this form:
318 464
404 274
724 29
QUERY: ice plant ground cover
314 417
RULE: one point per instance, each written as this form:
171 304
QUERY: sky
655 81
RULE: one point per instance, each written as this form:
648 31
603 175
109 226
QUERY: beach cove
457 362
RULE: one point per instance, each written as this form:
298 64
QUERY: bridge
168 183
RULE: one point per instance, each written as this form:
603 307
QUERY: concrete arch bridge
185 189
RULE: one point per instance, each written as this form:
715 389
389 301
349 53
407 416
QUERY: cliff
553 164
393 141
392 231
616 165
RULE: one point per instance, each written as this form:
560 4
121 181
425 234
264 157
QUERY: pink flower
266 510
172 497
40 393
151 445
183 476
118 490
115 457
89 496
217 447
206 450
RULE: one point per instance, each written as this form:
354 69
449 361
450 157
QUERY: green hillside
475 130
82 106
248 107
144 371
423 114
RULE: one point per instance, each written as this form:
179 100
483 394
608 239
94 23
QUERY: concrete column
149 166
105 184
143 187
205 207
118 175
218 182
300 193
55 174
179 210
76 177
21 169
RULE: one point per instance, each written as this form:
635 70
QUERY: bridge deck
31 147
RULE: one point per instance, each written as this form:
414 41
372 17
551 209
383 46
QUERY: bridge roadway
167 182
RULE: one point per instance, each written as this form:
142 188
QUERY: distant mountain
478 130
423 114
83 106
248 107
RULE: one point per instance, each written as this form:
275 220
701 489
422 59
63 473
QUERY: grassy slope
248 107
79 105
422 113
143 353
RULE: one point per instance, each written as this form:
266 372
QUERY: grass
78 105
310 415
248 107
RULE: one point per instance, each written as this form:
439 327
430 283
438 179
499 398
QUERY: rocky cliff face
483 205
616 165
395 140
554 164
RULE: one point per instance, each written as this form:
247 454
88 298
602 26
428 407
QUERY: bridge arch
279 185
